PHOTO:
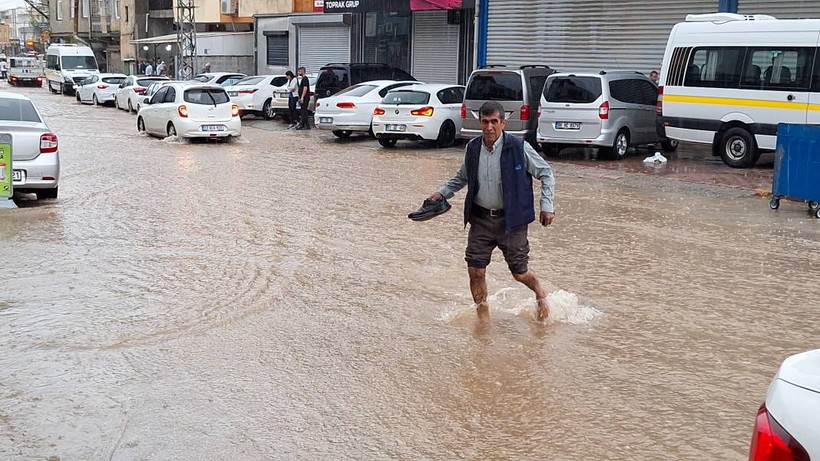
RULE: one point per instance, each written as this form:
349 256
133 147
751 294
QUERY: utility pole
186 39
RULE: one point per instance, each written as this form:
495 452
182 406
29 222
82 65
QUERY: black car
336 77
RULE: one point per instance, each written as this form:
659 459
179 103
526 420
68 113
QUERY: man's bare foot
483 311
543 309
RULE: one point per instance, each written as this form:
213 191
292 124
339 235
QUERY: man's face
654 76
301 72
492 126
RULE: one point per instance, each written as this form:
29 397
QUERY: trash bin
797 166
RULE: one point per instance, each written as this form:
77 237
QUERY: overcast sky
8 4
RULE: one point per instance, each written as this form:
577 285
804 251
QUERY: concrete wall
243 64
251 7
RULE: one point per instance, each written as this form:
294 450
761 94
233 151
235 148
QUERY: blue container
797 165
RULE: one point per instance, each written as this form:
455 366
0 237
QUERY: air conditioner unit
228 7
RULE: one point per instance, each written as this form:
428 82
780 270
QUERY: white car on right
787 426
351 110
427 112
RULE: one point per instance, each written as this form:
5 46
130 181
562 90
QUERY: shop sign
6 171
318 6
366 6
422 5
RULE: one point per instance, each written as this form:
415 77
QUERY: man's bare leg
478 287
531 281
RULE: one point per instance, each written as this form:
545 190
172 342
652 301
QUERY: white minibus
728 80
67 64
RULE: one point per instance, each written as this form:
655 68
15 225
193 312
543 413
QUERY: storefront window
386 39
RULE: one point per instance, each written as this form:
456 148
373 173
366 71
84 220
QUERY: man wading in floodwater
498 170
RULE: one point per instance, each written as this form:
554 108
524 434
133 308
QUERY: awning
397 6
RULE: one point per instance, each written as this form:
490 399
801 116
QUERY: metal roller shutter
278 49
781 9
586 34
320 45
435 48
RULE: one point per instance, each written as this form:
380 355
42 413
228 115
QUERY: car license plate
213 127
233 93
395 127
17 175
567 126
325 119
281 95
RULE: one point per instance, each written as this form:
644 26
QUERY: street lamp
168 47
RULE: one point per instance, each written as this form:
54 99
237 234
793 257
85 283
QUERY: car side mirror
146 101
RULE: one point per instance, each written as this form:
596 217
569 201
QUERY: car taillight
48 143
378 111
660 101
234 110
182 111
603 111
538 114
345 105
423 112
464 111
140 90
770 442
101 86
525 112
251 91
39 79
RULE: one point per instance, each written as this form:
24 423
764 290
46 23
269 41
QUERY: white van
729 79
67 64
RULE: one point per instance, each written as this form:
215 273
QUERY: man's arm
539 168
453 185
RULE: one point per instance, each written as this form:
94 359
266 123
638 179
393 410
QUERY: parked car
609 110
190 110
516 89
152 89
279 105
99 89
430 112
132 89
35 149
254 95
787 426
351 109
219 78
334 78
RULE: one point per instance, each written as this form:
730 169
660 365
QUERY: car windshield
357 90
250 81
571 89
231 81
406 97
496 86
113 80
18 110
147 81
208 96
79 62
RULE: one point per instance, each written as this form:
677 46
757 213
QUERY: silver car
609 110
35 150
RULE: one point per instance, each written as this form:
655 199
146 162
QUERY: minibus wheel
738 148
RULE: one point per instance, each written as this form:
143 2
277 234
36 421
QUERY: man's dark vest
516 182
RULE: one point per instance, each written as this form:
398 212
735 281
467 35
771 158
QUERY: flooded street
269 299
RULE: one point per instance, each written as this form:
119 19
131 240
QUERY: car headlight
68 80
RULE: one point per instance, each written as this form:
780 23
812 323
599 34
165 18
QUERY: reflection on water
272 301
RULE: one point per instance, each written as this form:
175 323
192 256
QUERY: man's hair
301 68
491 108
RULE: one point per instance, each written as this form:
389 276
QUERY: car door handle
791 97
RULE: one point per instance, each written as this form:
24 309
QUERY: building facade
95 23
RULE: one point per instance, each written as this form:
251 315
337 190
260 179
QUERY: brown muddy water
269 299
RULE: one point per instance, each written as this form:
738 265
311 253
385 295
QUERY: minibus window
715 67
777 69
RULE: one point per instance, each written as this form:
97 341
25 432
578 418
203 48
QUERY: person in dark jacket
304 99
498 170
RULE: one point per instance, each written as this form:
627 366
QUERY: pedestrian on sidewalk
4 70
498 169
149 69
161 68
293 98
304 98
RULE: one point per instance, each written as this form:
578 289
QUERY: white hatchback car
133 89
190 110
787 426
429 112
254 95
352 108
219 78
35 150
99 89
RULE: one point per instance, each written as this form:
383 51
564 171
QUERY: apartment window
126 14
71 5
86 7
59 10
117 9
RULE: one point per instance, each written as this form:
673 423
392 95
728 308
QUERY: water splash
175 140
564 308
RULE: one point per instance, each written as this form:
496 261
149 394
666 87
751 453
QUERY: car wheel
172 130
550 150
46 194
140 125
619 148
670 145
78 97
266 112
738 148
116 103
130 107
387 142
446 134
342 134
95 100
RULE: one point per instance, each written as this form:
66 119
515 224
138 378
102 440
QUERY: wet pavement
269 299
